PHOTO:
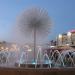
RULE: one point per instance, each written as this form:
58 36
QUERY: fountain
2 58
68 58
23 58
23 55
46 59
57 60
34 24
42 58
39 56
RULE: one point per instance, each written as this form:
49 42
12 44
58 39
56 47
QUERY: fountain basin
32 65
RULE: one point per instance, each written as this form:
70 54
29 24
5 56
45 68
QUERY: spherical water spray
34 21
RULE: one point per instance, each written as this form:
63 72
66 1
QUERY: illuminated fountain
23 59
34 24
23 55
68 58
57 59
3 58
39 56
42 58
8 56
46 59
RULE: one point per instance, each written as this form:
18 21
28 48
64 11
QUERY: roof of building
72 31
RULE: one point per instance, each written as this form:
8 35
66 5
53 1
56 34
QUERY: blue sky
62 13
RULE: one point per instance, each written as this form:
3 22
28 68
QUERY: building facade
66 38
